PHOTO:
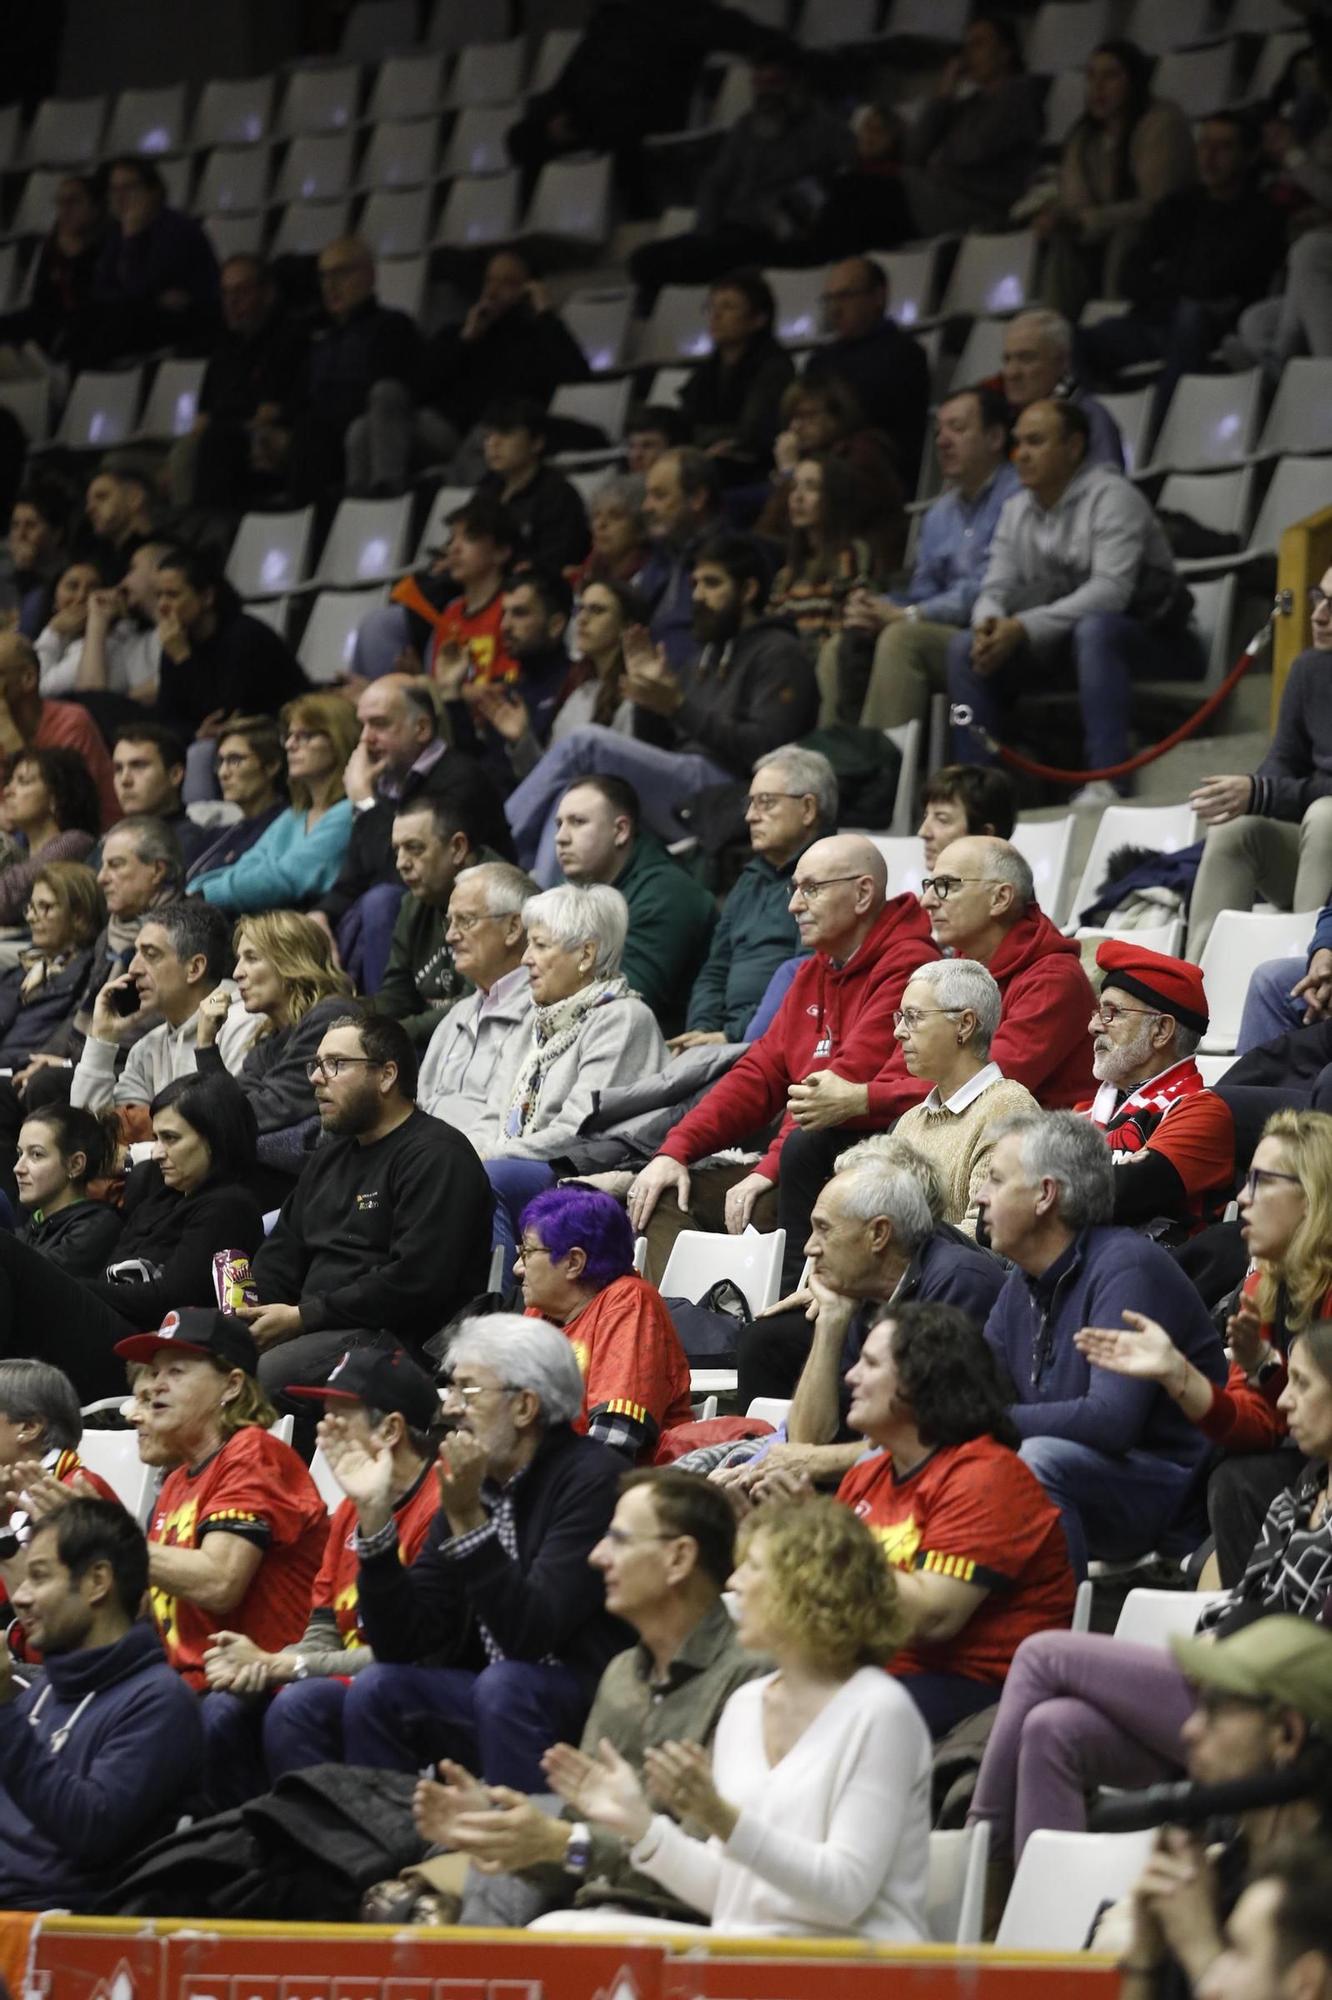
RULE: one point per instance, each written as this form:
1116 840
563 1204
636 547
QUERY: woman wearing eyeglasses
291 990
945 1024
192 1200
298 858
38 996
1286 1221
1271 833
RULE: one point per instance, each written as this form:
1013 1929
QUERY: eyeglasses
466 924
41 910
529 1250
765 802
469 1391
941 887
234 762
1108 1012
1258 1178
333 1066
911 1017
303 735
1318 598
809 892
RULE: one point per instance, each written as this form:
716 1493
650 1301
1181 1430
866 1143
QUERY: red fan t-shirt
976 1512
336 1588
258 1488
631 1359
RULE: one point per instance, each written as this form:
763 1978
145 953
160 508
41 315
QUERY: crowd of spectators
373 1030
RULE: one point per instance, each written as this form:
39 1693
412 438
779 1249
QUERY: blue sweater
72 1817
286 868
1031 1330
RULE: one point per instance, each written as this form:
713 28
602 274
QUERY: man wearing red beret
1172 1138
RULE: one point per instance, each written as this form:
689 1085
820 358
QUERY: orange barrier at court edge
86 1958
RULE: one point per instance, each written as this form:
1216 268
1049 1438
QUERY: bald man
362 343
885 367
834 1027
27 722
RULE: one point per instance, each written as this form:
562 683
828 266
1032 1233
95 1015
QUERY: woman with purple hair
576 1263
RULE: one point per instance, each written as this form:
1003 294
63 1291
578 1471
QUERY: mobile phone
126 1000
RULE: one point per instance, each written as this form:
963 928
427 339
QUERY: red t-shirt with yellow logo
976 1512
258 1488
336 1586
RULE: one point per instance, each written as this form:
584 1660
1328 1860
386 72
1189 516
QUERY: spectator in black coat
60 1151
884 367
363 343
62 279
247 394
156 279
179 1212
216 659
732 402
39 994
547 508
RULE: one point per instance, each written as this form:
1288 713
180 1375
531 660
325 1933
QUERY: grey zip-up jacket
1099 548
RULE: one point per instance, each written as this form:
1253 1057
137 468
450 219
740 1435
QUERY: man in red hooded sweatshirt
834 1026
981 903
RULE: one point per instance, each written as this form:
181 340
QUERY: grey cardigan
617 1042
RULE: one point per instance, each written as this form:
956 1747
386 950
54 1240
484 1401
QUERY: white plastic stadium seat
572 202
1061 1882
1219 500
799 320
480 211
1299 486
234 235
307 227
1046 845
318 167
1238 943
1153 1617
34 212
699 1258
1082 1607
321 98
401 154
1158 29
1063 34
102 409
667 387
907 737
993 274
374 25
283 1430
1131 410
982 352
1300 419
234 111
326 1486
271 552
1167 937
173 399
955 1890
489 73
912 282
599 322
1211 421
396 223
436 530
1213 1068
328 640
454 23
603 404
400 282
114 1457
1064 104
66 131
905 859
408 86
1197 80
235 177
147 121
557 45
832 24
1165 828
30 401
273 612
767 1409
366 542
476 145
676 328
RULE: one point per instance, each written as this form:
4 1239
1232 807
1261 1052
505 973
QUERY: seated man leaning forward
1172 1140
666 1557
834 1027
502 1592
1119 1458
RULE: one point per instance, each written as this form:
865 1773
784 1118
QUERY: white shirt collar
962 1099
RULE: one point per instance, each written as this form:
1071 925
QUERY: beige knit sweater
957 1143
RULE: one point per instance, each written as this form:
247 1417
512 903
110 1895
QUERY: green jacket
421 982
671 918
756 934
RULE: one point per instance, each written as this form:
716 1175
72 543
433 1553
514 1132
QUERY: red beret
1171 985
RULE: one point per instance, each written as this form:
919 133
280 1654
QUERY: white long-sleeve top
832 1841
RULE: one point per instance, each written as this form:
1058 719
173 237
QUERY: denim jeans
303 1726
1107 652
498 1722
1115 1506
514 1183
1269 1010
365 934
663 780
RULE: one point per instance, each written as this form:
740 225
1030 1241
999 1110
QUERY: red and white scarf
1128 1123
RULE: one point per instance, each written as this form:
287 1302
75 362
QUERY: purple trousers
1078 1710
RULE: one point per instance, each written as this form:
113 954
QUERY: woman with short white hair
948 1017
587 1033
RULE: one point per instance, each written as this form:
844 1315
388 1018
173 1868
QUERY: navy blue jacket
72 1817
549 1601
951 1269
1058 1394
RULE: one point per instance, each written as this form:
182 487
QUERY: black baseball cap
197 1330
382 1379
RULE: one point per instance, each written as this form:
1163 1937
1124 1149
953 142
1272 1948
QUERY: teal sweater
756 934
286 868
671 917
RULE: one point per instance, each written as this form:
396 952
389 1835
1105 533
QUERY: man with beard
750 689
1173 1140
387 1233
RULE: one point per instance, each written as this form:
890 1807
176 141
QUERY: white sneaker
1093 797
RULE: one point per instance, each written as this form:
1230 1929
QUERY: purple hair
579 1218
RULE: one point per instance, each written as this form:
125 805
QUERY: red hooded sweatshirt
1047 1003
833 1017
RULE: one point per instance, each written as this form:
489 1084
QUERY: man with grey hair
876 1235
502 1589
1118 1456
1171 1139
827 1037
462 1069
1038 365
981 903
792 801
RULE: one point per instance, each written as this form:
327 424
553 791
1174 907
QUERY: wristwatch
301 1669
578 1852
